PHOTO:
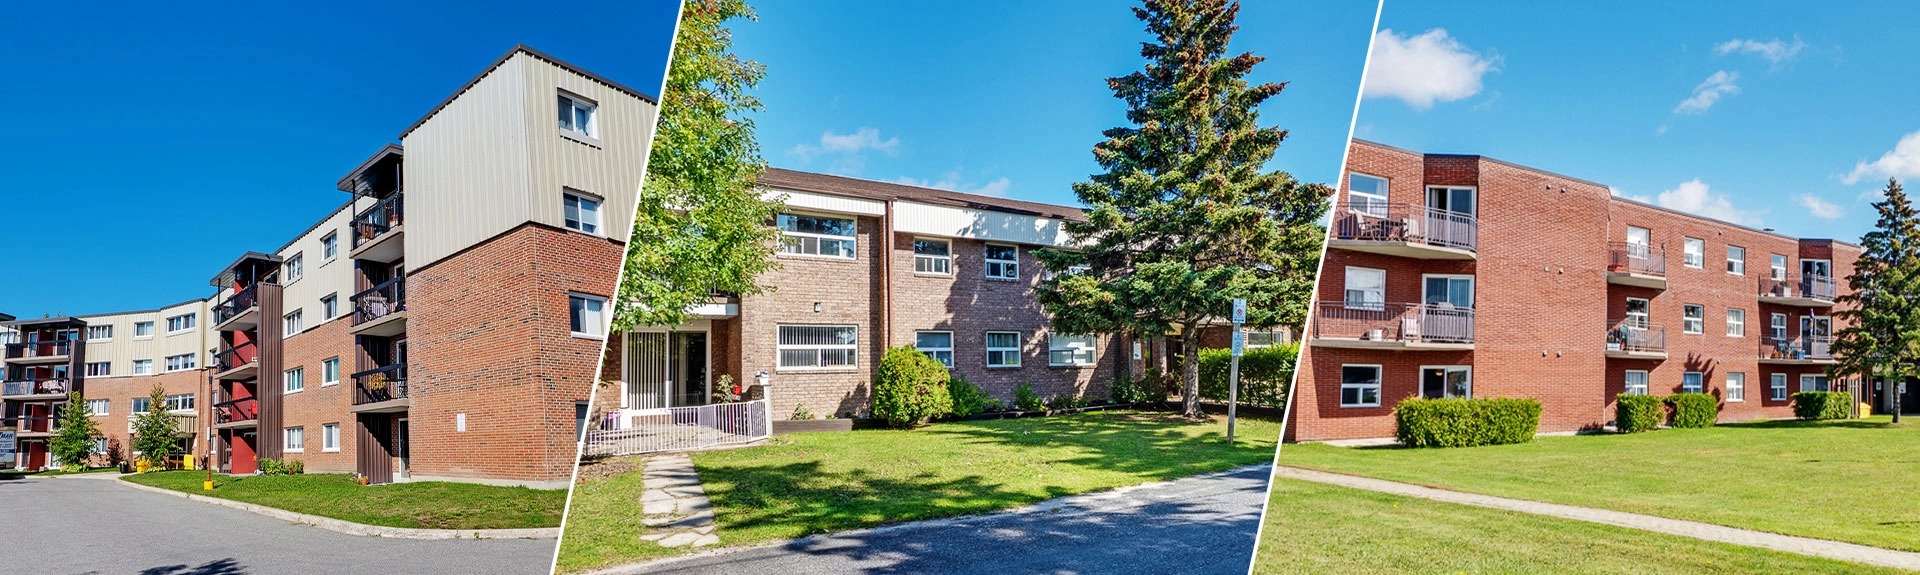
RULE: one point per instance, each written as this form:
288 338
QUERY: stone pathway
1694 529
676 507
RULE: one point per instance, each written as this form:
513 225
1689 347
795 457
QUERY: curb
360 529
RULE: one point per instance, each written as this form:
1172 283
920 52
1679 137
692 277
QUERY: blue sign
1239 342
1239 311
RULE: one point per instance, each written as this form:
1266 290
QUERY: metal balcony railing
381 300
34 349
36 386
1634 335
1641 259
25 424
1793 286
1799 348
232 410
380 384
235 356
1402 322
1397 222
376 221
241 301
183 423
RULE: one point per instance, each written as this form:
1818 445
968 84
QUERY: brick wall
121 390
319 403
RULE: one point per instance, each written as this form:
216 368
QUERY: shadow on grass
1805 424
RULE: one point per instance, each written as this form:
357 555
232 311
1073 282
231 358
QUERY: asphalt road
89 525
1198 525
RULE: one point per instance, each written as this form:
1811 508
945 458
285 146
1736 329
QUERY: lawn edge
349 527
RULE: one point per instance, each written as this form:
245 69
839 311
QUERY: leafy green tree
153 430
701 224
73 443
1882 307
1185 217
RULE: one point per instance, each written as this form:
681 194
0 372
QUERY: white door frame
699 325
1445 368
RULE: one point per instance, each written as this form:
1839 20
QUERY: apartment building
442 324
1465 276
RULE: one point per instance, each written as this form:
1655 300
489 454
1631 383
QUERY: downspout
886 281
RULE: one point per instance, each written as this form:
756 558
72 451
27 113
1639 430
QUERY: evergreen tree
73 444
153 430
701 224
1882 309
1185 217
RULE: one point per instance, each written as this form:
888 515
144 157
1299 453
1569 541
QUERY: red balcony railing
243 409
1635 335
1792 286
376 221
35 349
1638 259
1401 322
1396 222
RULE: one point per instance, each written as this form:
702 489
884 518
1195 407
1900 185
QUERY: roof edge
518 48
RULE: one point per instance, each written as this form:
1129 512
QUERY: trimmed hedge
1465 422
1264 374
1637 413
910 388
1694 409
1823 405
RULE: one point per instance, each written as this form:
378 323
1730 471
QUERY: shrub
801 413
1025 400
1694 409
1125 389
1265 374
281 467
968 399
1465 422
1064 401
1823 405
1637 413
910 388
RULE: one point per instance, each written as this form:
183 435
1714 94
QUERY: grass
1315 528
1848 480
604 525
426 504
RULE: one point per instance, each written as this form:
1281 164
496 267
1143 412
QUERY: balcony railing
24 424
1801 348
381 384
35 349
1633 335
381 300
1641 259
233 307
36 386
1804 287
1394 322
235 356
1396 222
183 423
376 221
232 410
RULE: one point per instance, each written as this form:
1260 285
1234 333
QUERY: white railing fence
679 428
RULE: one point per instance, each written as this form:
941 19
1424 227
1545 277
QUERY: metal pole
1233 395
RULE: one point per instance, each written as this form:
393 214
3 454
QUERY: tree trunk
1190 373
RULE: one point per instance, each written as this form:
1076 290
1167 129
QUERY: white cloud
1721 83
1774 51
1420 70
952 181
1821 208
849 151
1902 162
1694 197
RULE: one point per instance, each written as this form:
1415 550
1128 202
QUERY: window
1639 243
1736 387
1778 268
99 333
1736 323
329 246
330 437
98 407
1003 349
142 329
816 235
1439 382
1449 292
1777 389
330 371
1736 260
1257 339
181 402
936 344
1816 268
817 346
1359 386
932 256
1778 329
1636 383
1069 349
99 368
294 268
1456 200
295 321
1003 262
180 323
296 379
330 306
1637 313
1695 320
1811 382
296 439
587 315
1692 382
576 115
180 362
143 367
141 404
1367 194
1694 252
1366 288
583 213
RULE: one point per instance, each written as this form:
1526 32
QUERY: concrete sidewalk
1694 529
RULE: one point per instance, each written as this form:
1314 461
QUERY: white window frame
1777 266
294 323
1446 393
108 329
587 301
330 371
1368 203
1736 265
1628 387
106 369
1777 387
330 438
1811 382
99 407
1270 336
1699 387
294 380
294 439
1473 287
779 349
851 242
1644 319
1639 248
1073 345
1378 302
150 329
179 403
1736 387
1009 269
1378 385
1005 352
935 351
188 361
1777 327
1690 324
190 321
329 247
574 105
1736 322
293 269
1693 253
938 265
579 222
1819 263
329 306
142 363
140 405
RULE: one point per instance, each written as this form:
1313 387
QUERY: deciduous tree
73 444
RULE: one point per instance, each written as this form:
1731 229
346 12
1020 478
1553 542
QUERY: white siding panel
612 170
322 278
466 171
124 348
808 201
954 222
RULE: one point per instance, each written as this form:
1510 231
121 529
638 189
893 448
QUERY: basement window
1064 350
817 346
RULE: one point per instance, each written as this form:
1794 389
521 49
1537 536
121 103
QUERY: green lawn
1315 528
1856 481
427 504
604 524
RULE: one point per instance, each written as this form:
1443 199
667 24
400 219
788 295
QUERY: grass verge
604 526
422 505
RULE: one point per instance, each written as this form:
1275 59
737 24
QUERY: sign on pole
1239 310
6 445
1233 373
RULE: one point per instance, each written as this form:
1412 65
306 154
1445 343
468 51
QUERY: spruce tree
1882 307
153 430
73 444
1186 217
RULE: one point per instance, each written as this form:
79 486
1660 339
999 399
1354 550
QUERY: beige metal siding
466 173
322 278
612 170
124 348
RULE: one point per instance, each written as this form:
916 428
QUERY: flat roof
870 189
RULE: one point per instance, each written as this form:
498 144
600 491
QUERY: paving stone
654 495
706 540
659 507
694 490
680 539
654 536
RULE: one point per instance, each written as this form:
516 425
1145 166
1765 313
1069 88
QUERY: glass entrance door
1444 382
666 369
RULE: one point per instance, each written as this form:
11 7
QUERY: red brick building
1465 276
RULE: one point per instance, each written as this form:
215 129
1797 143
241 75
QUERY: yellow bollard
206 486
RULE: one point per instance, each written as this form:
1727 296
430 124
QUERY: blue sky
1781 116
150 144
976 97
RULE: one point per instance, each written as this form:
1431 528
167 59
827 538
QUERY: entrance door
1446 381
403 445
687 367
1448 313
1815 334
667 369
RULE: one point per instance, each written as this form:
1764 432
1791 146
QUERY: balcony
1806 350
381 390
237 363
1803 291
1634 338
243 412
240 312
377 231
31 389
184 424
381 310
34 426
35 352
1637 265
1405 230
1396 326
